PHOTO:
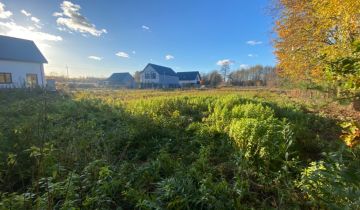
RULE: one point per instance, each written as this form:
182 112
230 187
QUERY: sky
96 38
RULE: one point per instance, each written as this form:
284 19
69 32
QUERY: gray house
120 80
189 79
155 76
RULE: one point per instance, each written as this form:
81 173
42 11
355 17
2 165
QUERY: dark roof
189 75
119 77
15 49
162 70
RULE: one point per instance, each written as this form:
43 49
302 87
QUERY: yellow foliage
311 33
351 133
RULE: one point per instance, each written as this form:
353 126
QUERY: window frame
150 75
6 82
153 75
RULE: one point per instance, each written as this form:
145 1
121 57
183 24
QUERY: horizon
100 38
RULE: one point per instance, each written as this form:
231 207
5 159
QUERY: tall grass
171 150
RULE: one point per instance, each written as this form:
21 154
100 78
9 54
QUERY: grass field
195 149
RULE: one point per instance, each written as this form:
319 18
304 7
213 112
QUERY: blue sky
97 37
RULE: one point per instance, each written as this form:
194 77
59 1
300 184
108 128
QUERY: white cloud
38 26
224 62
244 66
169 57
32 18
123 55
93 57
253 42
3 13
73 20
36 20
57 14
64 29
42 39
27 14
12 29
252 55
147 28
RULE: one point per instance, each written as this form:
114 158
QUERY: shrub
261 140
333 183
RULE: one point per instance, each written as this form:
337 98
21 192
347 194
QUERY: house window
5 78
150 75
153 75
31 80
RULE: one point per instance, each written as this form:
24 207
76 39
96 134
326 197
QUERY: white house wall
19 70
149 69
163 80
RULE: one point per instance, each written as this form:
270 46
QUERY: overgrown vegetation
179 150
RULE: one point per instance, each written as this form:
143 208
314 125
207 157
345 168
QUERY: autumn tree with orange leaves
313 35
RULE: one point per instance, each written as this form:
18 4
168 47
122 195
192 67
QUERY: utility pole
67 72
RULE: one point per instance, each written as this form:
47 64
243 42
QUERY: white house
21 63
155 76
189 78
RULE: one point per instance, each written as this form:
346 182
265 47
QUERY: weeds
205 151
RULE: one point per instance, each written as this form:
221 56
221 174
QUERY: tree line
253 76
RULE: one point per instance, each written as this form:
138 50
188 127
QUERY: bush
333 183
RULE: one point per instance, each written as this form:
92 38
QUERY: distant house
155 76
189 79
21 63
120 80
